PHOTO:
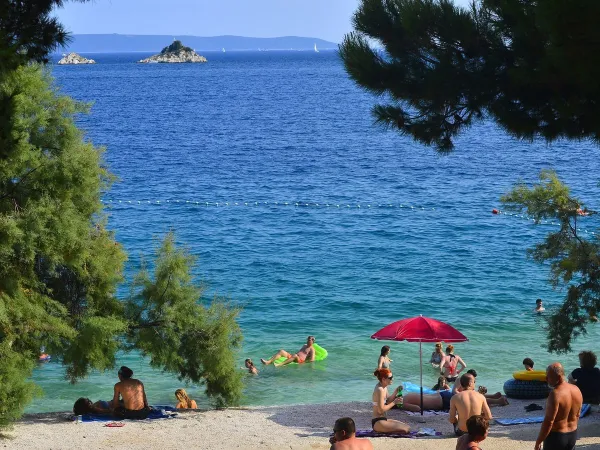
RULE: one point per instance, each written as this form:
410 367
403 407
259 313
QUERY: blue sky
325 19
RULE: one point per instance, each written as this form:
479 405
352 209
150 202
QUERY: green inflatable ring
320 355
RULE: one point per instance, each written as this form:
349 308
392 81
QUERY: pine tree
530 66
60 266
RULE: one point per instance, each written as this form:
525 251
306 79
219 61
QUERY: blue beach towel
585 409
156 413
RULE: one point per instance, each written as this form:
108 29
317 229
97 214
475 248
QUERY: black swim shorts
560 441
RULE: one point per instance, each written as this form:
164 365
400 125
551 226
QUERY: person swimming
249 365
539 306
437 356
306 353
384 358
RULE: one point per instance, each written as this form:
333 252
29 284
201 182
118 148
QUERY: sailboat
316 49
223 49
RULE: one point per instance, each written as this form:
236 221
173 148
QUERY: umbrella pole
421 364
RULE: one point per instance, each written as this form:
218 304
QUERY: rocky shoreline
74 58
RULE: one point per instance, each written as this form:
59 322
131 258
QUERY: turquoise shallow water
269 128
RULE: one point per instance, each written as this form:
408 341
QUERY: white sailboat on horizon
316 49
223 49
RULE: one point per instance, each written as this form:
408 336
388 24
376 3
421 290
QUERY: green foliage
15 390
574 261
531 66
28 31
180 334
59 266
175 47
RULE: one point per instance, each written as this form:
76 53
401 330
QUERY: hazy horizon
329 20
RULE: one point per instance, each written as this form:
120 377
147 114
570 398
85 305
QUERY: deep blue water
398 230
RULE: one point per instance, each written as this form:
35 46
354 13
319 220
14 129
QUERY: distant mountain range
117 43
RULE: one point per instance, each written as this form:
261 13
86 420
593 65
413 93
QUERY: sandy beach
294 427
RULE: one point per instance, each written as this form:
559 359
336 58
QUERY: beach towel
157 412
585 409
428 413
412 435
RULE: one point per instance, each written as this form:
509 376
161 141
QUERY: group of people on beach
129 400
469 409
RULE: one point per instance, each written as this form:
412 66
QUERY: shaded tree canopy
531 66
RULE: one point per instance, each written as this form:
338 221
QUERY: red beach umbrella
420 329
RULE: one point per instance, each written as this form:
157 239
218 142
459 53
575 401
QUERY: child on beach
185 402
441 385
477 430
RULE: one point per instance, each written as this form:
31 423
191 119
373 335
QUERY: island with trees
175 53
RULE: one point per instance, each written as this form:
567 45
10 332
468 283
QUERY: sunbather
133 395
306 353
184 401
85 406
383 402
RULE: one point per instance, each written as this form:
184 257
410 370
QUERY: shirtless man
467 403
133 404
344 436
563 406
306 353
449 365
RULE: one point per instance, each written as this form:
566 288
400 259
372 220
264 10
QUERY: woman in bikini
383 402
384 359
437 356
184 401
449 366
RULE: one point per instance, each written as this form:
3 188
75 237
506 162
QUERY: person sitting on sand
134 403
539 306
383 402
449 365
307 352
442 384
528 364
249 365
344 436
587 378
477 427
467 403
184 401
85 406
437 356
384 358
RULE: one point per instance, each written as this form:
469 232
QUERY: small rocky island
175 53
74 58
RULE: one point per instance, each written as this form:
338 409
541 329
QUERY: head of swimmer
384 376
555 374
438 347
310 340
385 350
248 363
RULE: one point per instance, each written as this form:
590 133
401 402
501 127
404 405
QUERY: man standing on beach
467 403
134 404
306 353
563 406
344 436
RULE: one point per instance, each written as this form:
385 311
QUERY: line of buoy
542 222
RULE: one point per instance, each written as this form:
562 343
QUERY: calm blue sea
391 229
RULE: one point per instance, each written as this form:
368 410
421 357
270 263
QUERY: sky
325 19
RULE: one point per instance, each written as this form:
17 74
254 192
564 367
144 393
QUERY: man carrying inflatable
307 352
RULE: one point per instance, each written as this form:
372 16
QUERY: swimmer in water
539 306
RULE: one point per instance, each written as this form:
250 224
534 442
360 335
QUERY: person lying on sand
344 436
85 406
307 352
496 399
467 403
134 403
477 427
383 402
